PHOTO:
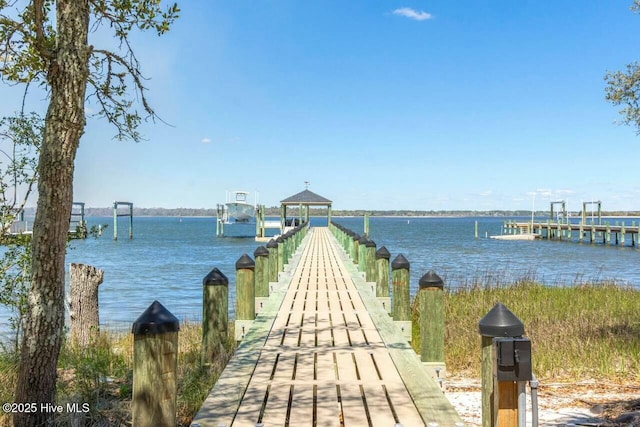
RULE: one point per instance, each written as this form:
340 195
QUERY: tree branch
38 23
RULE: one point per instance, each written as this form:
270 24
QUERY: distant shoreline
346 213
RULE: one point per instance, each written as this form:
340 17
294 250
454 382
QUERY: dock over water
324 352
618 233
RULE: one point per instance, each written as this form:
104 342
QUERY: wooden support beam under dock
324 352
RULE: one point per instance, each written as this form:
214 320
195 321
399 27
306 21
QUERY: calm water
168 257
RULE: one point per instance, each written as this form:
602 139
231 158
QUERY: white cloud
407 12
545 192
206 140
486 193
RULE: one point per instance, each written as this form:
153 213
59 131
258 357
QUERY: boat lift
564 209
584 211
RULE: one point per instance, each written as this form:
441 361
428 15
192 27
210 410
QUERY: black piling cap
272 244
431 280
215 278
500 322
156 319
356 237
370 244
260 251
362 240
245 262
383 252
399 262
280 239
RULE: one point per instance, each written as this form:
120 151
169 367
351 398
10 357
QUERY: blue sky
387 104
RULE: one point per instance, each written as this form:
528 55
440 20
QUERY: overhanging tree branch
39 16
623 88
62 62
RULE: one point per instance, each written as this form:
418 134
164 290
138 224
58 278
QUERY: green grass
586 331
101 375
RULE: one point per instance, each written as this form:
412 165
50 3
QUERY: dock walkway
324 352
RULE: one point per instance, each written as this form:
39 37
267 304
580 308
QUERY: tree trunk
67 77
83 303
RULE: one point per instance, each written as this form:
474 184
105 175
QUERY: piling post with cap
245 295
499 398
261 255
431 308
155 364
287 248
362 242
346 240
355 248
280 241
350 243
215 315
401 299
272 247
370 260
382 277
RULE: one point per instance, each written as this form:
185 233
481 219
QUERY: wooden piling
280 241
370 260
487 381
261 255
362 250
272 246
257 217
215 315
245 288
400 280
155 364
499 398
581 233
431 305
382 272
366 225
355 254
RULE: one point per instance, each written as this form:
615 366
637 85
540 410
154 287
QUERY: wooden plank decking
324 352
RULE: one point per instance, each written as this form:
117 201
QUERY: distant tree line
293 212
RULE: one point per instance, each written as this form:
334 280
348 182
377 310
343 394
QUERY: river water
168 258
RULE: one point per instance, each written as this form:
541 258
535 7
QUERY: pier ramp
324 352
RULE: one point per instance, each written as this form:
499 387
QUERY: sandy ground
588 402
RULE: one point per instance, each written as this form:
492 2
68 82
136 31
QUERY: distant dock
605 233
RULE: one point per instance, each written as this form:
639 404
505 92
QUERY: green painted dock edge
428 397
222 403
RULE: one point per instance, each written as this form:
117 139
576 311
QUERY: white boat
236 217
239 209
239 218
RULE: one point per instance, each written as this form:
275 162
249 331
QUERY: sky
390 104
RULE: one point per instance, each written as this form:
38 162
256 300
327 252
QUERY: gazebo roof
307 198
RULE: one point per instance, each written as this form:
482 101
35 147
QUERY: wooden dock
608 234
324 352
